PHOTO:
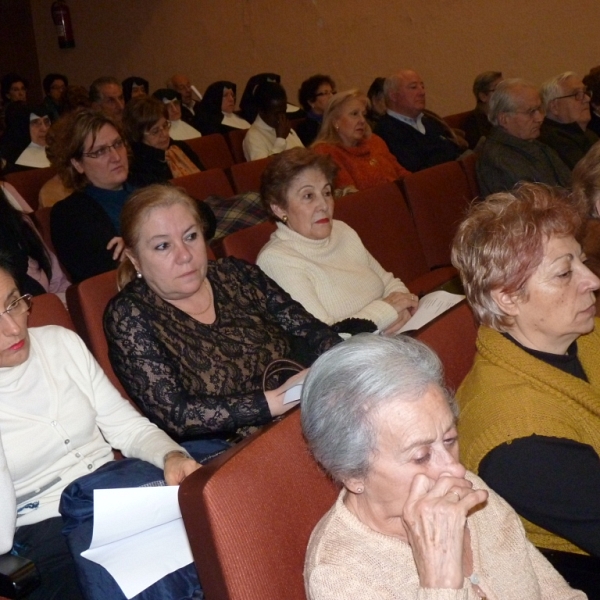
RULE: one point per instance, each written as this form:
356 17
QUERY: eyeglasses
18 307
327 93
530 112
156 131
104 151
579 95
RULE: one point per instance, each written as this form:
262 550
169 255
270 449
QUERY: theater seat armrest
18 576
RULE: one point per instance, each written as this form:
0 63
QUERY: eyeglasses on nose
17 307
104 150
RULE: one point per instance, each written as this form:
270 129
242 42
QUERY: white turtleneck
334 279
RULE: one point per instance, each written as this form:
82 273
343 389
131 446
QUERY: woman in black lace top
190 340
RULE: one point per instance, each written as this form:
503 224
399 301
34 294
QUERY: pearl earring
138 274
284 219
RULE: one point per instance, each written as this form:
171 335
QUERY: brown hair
68 141
501 243
141 115
284 168
586 182
328 133
136 211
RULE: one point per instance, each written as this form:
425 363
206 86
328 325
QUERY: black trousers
46 546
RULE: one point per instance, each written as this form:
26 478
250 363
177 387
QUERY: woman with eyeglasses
314 95
90 155
60 417
156 157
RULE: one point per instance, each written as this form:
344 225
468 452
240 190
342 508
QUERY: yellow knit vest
509 394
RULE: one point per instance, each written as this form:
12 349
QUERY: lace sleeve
289 314
155 371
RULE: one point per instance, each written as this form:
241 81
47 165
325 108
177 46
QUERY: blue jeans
77 508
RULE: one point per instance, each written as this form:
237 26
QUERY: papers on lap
431 306
138 547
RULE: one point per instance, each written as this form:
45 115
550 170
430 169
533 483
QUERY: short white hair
553 88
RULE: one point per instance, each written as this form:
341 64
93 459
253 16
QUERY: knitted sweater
346 559
366 165
334 279
509 394
52 439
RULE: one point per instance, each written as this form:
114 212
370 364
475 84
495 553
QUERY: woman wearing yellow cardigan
530 406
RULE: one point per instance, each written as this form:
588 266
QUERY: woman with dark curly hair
314 95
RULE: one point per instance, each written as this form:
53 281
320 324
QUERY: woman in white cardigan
59 419
320 262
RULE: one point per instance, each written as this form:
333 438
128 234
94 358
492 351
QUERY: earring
360 490
138 275
284 219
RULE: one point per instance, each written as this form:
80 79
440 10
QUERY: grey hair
553 88
347 386
504 99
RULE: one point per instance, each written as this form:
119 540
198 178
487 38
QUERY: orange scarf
179 163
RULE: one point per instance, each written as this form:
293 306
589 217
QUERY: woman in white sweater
320 262
60 417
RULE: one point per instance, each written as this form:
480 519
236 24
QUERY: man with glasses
512 153
106 95
567 104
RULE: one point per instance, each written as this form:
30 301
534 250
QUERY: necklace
209 303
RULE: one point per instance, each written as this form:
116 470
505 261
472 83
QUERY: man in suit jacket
417 140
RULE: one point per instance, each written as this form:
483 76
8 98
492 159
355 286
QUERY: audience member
477 124
586 194
76 97
55 87
135 87
271 131
567 104
248 105
410 521
417 140
156 157
512 152
106 95
13 88
377 99
216 111
36 269
320 262
592 83
190 339
59 417
24 141
180 129
90 155
529 423
363 158
189 105
314 95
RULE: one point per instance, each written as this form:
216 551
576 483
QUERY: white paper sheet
139 536
431 306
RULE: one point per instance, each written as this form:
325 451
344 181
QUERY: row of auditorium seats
249 513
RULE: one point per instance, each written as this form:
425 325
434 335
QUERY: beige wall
447 41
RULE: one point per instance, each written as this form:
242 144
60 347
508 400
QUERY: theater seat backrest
250 512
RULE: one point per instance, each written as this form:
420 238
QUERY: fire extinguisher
62 21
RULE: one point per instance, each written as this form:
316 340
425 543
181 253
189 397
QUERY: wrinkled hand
283 126
405 305
434 517
178 467
117 245
275 397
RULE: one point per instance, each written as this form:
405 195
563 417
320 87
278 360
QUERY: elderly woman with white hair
567 104
410 521
512 153
363 158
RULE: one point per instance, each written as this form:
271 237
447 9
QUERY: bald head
405 93
181 83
